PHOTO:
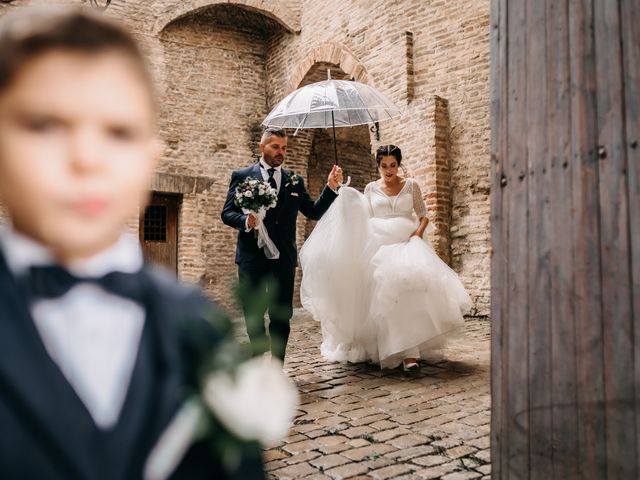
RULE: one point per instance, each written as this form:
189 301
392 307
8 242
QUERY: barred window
155 223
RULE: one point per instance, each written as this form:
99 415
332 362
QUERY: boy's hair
32 31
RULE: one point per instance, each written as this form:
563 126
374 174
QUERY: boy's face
77 149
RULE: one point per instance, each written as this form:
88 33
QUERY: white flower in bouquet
256 197
258 404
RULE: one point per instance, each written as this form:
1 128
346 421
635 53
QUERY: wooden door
159 231
566 239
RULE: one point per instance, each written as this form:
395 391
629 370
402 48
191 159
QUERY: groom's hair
272 132
31 32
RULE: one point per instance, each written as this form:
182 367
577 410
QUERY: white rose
258 404
248 193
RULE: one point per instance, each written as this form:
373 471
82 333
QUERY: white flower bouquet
256 197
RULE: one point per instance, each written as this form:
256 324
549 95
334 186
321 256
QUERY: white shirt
92 335
277 175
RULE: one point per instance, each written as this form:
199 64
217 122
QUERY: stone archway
312 150
286 13
334 54
214 99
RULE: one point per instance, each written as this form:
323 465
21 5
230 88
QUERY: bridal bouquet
256 197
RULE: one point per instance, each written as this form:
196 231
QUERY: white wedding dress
379 294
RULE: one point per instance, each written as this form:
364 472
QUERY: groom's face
274 150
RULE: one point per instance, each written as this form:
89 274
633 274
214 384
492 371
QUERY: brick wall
221 65
413 52
207 64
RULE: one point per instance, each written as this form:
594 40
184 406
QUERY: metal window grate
155 223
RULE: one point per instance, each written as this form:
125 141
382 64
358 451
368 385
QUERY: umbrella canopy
330 104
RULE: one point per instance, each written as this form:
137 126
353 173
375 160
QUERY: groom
255 270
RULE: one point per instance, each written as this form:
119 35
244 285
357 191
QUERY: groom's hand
251 221
335 177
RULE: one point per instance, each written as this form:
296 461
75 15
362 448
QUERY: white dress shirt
277 175
92 335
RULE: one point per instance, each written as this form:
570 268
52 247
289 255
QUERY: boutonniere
239 406
293 180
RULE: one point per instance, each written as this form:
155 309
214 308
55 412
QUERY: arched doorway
353 146
312 151
215 80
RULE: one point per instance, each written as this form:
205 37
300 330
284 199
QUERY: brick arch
287 17
335 54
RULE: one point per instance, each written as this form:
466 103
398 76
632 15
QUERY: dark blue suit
46 432
254 267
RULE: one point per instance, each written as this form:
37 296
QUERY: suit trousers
267 286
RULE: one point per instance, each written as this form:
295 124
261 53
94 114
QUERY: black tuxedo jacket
280 221
47 433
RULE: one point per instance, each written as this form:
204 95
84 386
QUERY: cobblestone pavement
358 422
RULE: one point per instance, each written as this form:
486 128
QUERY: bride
372 278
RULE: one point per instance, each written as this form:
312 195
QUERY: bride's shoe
410 364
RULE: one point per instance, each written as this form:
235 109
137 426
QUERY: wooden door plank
516 341
614 251
586 241
537 246
630 25
499 122
172 234
564 431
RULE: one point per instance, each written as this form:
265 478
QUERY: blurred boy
97 351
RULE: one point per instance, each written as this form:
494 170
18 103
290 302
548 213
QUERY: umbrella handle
346 184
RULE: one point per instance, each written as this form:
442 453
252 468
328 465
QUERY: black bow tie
54 281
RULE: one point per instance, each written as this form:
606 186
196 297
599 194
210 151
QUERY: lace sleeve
418 202
367 195
367 191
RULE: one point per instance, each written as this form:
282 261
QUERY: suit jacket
280 221
45 430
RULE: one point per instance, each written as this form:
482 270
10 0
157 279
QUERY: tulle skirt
379 294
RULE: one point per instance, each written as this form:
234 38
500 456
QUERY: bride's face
388 168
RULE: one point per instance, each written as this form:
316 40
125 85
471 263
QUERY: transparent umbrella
331 104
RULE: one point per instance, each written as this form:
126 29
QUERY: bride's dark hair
389 150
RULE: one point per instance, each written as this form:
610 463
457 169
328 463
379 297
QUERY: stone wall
221 65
